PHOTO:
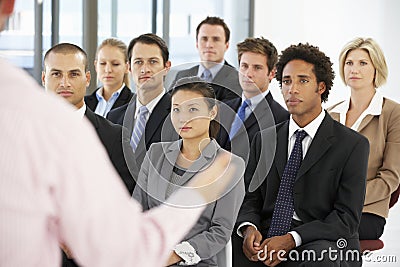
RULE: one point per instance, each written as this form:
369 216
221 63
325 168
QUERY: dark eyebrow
75 70
304 76
53 69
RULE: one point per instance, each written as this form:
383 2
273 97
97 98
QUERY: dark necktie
284 206
239 119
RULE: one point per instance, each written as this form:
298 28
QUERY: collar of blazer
262 115
319 146
172 150
91 116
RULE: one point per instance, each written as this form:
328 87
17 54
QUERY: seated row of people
298 192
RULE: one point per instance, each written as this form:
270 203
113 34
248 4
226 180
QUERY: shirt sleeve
99 221
187 253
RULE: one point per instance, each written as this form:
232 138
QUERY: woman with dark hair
193 112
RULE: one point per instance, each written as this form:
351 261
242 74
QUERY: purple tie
284 206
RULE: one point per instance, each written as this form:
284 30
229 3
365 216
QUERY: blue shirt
104 106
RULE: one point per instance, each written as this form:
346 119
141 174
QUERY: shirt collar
81 111
374 108
214 69
255 100
151 105
311 128
99 93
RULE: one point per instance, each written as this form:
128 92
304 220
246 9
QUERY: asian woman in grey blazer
170 165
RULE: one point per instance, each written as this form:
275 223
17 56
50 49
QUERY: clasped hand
271 251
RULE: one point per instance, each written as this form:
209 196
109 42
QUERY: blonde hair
375 53
113 42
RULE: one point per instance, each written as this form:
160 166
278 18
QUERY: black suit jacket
225 83
123 98
266 114
111 137
158 127
329 188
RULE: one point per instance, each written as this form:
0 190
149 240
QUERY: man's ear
7 7
321 88
43 78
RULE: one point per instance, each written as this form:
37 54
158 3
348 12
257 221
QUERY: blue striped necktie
284 206
239 119
140 125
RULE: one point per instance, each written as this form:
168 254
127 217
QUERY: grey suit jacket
225 83
213 229
158 128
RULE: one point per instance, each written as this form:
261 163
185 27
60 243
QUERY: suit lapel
335 116
206 157
261 117
282 148
319 145
90 115
129 117
123 98
161 110
91 100
365 122
228 115
171 155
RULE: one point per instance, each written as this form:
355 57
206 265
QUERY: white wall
329 25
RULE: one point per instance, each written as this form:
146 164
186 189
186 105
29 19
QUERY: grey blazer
212 231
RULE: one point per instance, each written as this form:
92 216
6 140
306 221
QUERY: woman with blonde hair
112 69
363 69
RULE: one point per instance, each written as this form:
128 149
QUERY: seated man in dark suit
66 74
304 209
212 41
146 116
241 118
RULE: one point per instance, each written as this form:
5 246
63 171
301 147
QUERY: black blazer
329 189
266 114
225 83
123 98
158 127
111 137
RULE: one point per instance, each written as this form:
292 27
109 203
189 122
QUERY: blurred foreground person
47 192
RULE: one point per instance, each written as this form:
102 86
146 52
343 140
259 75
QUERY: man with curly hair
304 204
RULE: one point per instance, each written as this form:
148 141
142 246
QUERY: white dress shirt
311 129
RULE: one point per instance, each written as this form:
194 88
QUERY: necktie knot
207 76
242 110
300 135
143 110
